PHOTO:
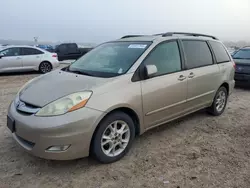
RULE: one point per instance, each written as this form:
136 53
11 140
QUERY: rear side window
30 51
220 52
197 53
166 57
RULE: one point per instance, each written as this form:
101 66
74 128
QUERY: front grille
26 108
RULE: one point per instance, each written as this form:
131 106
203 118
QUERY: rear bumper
55 64
242 77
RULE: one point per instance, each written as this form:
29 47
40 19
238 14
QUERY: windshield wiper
240 58
79 72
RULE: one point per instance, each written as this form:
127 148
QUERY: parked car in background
242 61
49 48
27 58
231 50
120 89
70 51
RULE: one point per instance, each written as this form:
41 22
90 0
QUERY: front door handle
191 75
181 77
18 58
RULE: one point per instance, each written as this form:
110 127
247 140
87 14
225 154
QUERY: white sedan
27 58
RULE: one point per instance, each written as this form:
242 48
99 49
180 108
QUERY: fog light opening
58 148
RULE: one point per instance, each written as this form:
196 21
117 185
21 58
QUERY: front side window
30 51
109 59
197 53
10 52
220 52
242 54
166 57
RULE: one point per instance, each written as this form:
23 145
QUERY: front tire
113 137
219 103
45 67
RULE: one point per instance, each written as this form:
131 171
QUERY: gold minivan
119 90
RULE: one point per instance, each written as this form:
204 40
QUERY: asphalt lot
196 151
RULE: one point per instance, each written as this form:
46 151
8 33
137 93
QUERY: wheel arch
226 85
45 61
134 116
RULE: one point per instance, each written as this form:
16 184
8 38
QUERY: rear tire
45 67
110 144
219 103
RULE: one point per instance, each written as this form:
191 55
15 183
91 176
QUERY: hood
57 84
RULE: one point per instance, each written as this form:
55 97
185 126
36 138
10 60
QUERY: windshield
109 59
242 54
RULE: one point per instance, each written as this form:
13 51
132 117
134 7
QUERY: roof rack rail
129 36
189 34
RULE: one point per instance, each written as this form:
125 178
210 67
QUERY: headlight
65 104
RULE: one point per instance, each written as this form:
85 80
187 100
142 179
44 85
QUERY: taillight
54 55
234 65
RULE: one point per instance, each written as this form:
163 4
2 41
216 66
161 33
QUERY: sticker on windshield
137 46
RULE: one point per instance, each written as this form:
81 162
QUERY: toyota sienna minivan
120 89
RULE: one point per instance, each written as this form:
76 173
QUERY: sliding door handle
181 78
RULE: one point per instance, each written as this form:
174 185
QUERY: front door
164 95
10 59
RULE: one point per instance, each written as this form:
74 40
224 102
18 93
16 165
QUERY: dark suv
242 61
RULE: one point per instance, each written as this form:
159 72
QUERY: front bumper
242 77
36 134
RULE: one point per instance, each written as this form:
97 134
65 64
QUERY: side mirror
1 55
151 70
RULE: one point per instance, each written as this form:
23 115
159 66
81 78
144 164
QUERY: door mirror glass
151 70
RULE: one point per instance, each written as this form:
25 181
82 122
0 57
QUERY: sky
98 21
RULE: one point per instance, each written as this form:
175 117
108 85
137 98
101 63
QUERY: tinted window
220 52
165 57
10 52
72 48
242 54
30 51
62 48
197 53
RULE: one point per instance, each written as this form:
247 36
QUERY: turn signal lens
79 105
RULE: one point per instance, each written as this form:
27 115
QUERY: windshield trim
109 74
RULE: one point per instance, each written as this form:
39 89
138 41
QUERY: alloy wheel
115 138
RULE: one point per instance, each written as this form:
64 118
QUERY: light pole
36 40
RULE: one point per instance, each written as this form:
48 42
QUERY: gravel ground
196 151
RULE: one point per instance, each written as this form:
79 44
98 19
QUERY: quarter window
166 57
220 52
197 53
